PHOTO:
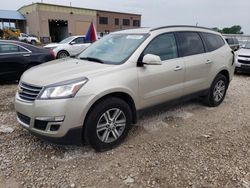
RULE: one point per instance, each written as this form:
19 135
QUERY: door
197 63
12 61
159 83
77 45
81 27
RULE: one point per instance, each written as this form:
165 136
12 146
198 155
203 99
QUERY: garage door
81 27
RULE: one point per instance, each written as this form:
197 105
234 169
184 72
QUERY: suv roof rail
171 26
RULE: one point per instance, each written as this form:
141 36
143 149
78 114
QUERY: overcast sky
208 13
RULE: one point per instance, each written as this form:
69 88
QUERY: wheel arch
121 95
226 74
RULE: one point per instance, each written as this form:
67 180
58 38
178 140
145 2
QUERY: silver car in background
243 58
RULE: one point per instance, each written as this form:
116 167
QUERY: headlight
61 90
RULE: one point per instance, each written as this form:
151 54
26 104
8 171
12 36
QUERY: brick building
57 21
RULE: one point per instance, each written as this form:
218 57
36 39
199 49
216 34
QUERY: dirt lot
189 145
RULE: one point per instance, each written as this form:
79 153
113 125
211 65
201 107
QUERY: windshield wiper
92 59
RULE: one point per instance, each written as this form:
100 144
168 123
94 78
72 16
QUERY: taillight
52 53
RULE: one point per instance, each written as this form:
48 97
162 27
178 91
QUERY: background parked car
233 43
16 57
70 46
29 39
243 63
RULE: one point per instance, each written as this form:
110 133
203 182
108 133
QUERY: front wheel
217 91
108 123
33 42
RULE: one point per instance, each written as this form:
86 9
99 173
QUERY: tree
236 29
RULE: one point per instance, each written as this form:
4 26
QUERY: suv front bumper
59 121
243 65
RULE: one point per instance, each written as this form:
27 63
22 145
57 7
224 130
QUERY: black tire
94 119
213 98
62 54
33 42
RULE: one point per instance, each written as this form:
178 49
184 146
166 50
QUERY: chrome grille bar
28 92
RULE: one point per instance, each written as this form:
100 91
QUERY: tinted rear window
236 41
230 40
212 41
190 43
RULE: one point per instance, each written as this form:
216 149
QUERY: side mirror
72 43
150 59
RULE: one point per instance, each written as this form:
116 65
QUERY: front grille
23 118
243 61
246 56
28 92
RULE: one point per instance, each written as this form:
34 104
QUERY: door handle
26 55
209 62
178 68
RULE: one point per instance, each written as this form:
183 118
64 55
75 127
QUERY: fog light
54 127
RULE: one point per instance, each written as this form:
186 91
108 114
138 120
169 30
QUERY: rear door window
212 41
190 43
164 46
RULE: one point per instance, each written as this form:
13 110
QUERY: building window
126 22
103 20
116 21
136 23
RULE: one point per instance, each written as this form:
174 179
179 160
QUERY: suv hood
244 51
62 70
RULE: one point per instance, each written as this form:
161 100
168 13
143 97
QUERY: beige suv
95 97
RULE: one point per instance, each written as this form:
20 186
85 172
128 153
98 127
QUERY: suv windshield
247 45
66 40
113 48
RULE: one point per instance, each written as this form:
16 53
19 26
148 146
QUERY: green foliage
236 29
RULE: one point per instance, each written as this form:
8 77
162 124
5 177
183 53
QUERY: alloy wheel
111 125
219 90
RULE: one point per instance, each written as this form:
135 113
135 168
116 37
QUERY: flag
91 35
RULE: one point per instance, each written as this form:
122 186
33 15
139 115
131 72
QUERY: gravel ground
188 145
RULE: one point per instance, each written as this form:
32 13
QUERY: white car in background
70 46
29 39
243 59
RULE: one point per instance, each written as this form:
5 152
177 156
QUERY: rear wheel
108 124
62 54
217 91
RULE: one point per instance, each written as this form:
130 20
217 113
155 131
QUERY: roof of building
11 15
49 4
